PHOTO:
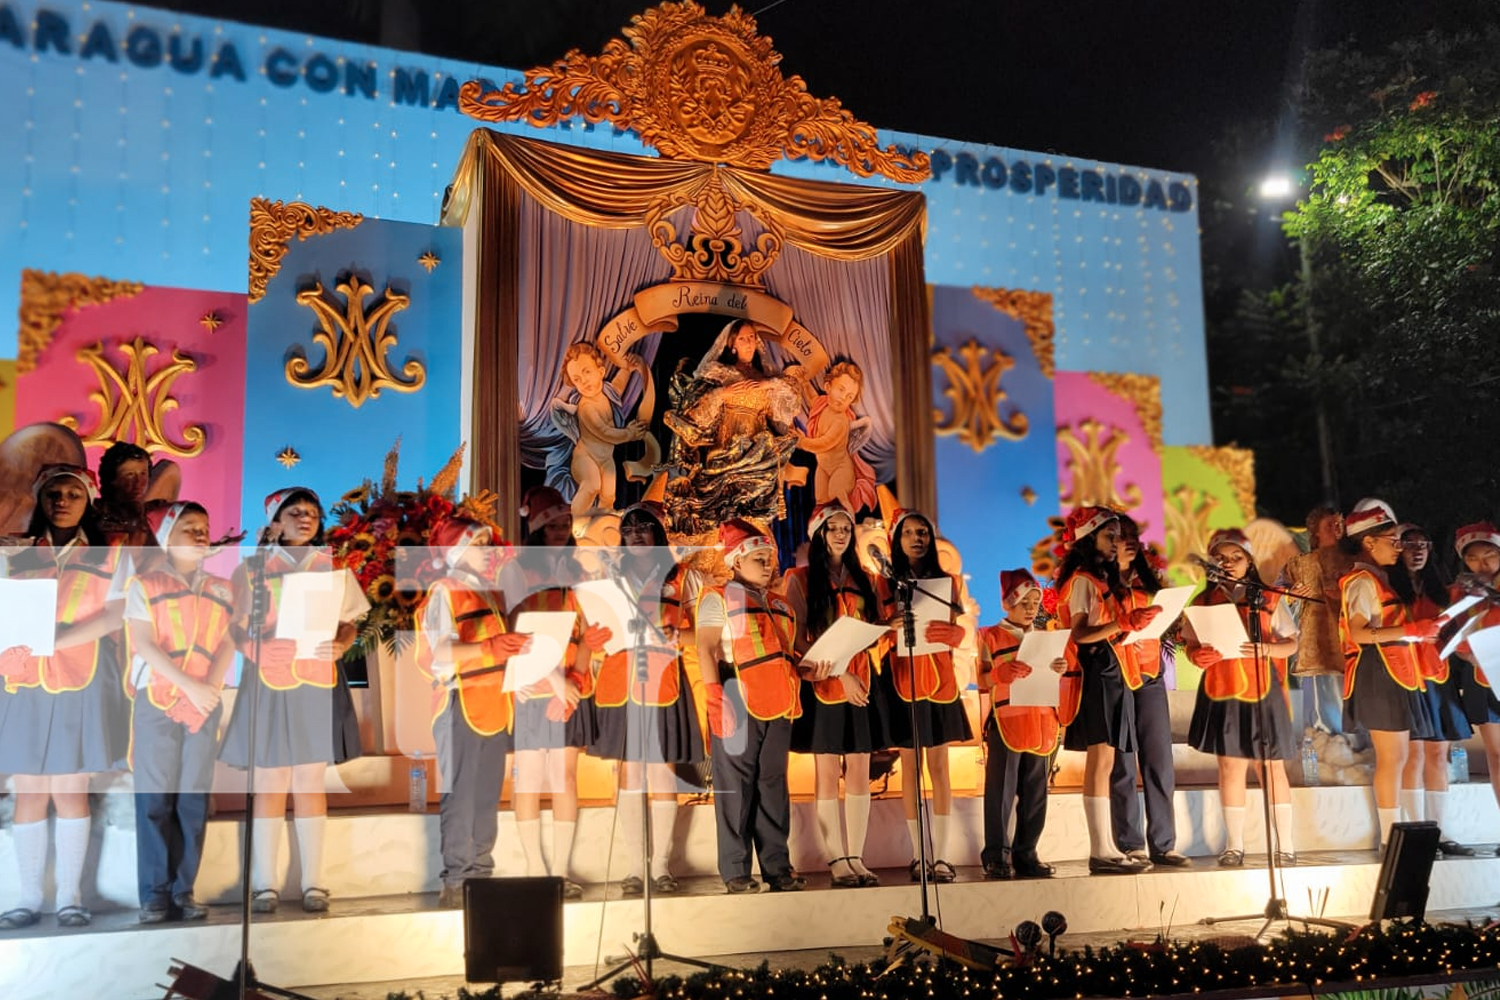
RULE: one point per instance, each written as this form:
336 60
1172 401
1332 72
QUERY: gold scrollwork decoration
1187 511
975 392
1034 310
715 248
1093 467
134 403
697 87
1144 393
273 226
1238 464
355 343
46 297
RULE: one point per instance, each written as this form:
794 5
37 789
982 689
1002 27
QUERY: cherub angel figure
591 411
834 437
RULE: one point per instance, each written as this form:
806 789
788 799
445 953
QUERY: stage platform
405 938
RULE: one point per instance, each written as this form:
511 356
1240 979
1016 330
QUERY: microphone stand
1276 908
648 950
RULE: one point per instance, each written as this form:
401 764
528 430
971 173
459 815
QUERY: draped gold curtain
587 187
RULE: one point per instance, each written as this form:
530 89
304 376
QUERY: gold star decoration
288 456
211 320
1029 495
429 260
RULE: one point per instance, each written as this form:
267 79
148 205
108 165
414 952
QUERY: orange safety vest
1432 666
190 622
849 601
761 634
1233 678
663 683
1138 660
83 577
933 672
555 598
284 677
1399 658
487 707
1489 616
1070 698
1023 728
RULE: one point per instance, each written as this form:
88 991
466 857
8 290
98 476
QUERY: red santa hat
823 512
1230 536
1015 582
162 519
650 508
901 515
541 506
738 538
64 470
1083 521
1479 531
1369 515
451 535
275 501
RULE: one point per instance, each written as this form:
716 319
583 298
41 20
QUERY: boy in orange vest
751 691
1020 741
177 618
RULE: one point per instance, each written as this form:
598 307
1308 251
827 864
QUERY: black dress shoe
742 883
1232 859
156 913
1453 849
787 882
189 907
1113 866
1171 859
996 870
1031 866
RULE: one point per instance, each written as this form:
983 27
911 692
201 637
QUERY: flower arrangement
380 535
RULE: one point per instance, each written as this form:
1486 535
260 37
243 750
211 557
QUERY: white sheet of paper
550 632
927 609
845 639
605 603
1457 638
1219 626
1038 650
1171 600
30 617
1460 606
308 612
1486 646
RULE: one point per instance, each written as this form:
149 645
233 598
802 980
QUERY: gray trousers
174 770
751 804
1153 728
473 771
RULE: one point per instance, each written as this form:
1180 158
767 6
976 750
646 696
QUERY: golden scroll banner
655 310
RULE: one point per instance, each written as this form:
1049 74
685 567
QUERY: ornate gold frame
46 297
273 225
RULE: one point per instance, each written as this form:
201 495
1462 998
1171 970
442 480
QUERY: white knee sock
829 831
1386 817
1101 835
857 822
72 837
530 831
663 831
1411 804
1234 828
1283 811
915 832
628 809
309 830
562 846
31 859
263 870
1437 807
940 836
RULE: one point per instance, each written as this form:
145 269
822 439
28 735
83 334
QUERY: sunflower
361 542
357 495
382 588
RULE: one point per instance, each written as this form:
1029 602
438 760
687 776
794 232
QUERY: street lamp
1280 187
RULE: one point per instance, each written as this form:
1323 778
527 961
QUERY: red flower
1049 600
1423 99
1338 134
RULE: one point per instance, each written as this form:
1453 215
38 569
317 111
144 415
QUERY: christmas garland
1315 961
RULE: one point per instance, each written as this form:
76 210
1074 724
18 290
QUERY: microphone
882 565
1211 569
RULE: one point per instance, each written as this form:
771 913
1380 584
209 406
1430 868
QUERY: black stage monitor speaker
1405 872
513 930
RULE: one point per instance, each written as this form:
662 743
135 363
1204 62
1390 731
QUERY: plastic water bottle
1458 764
416 800
1309 763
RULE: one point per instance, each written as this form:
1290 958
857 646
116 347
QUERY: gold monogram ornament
355 343
715 249
274 224
697 87
1093 467
974 390
1034 310
1144 393
1187 511
46 296
134 404
1238 464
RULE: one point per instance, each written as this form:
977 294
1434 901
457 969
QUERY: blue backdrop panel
339 445
981 506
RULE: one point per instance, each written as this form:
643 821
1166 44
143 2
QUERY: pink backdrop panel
1130 465
211 397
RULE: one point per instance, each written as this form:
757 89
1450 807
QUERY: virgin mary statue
732 434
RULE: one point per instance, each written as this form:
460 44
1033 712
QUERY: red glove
1205 656
502 647
558 710
14 660
720 715
1139 618
277 653
944 632
1010 671
595 636
1423 629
